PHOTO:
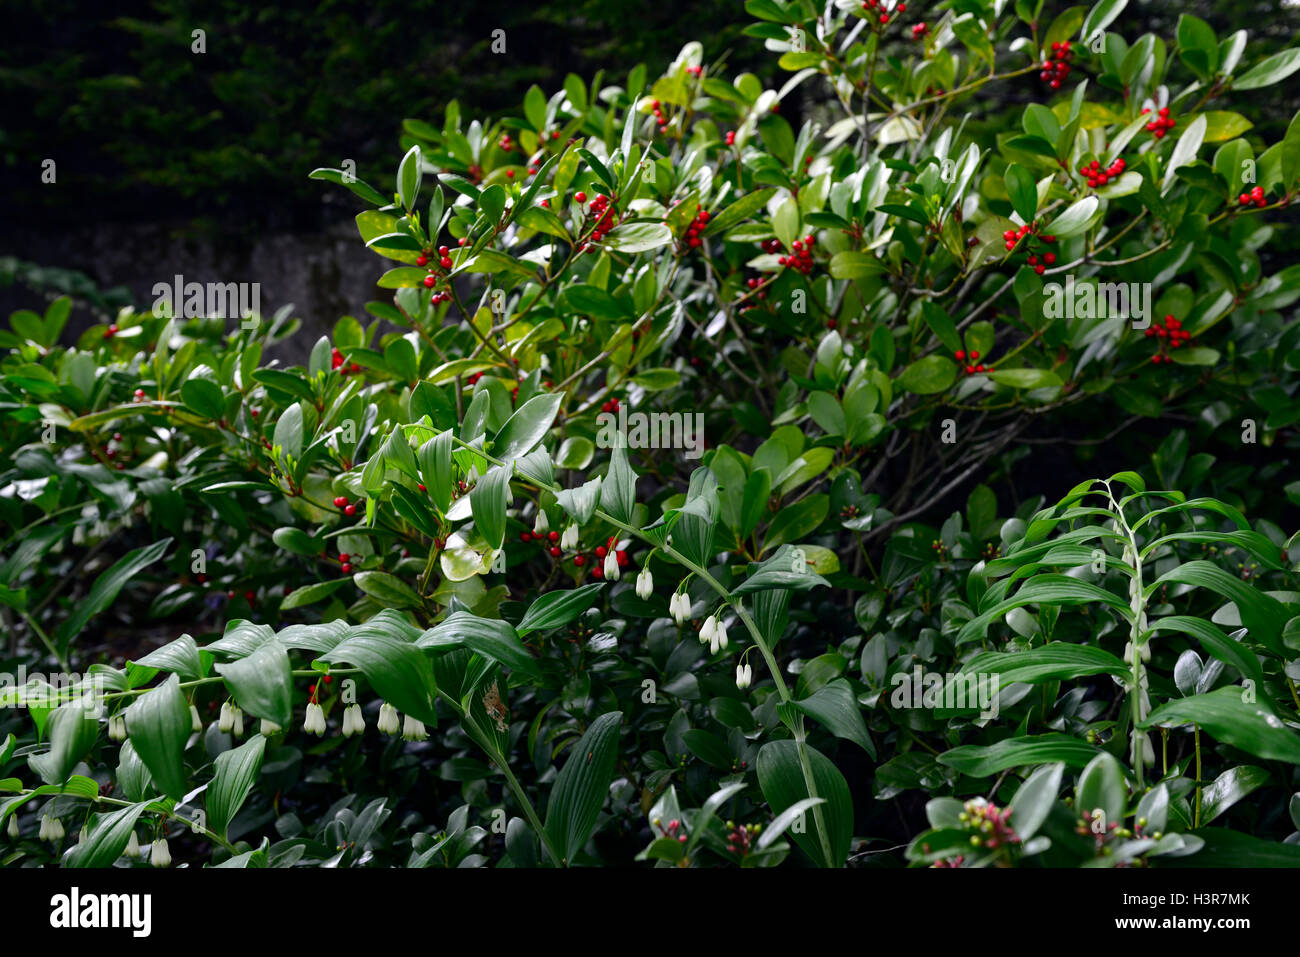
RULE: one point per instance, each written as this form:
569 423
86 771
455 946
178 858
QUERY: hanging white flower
269 728
708 634
160 855
744 676
225 720
314 722
132 848
353 721
413 729
388 723
645 584
196 723
542 524
569 540
611 566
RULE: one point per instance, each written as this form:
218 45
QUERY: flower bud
542 525
744 676
226 720
132 848
196 723
238 729
269 728
569 540
13 826
117 728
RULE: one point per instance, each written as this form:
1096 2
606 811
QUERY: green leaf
1101 16
1023 191
1229 788
358 186
409 174
934 373
107 586
558 608
941 325
236 773
1224 716
582 786
387 589
1272 70
618 490
108 838
836 707
204 397
262 683
787 567
1101 785
1026 378
1075 218
310 594
739 211
397 669
780 776
435 468
72 731
288 431
488 637
159 725
638 237
297 541
488 503
528 426
1034 800
181 656
1054 661
980 761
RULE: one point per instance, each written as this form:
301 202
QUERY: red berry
250 597
340 501
580 196
553 536
961 354
346 569
350 510
579 560
344 557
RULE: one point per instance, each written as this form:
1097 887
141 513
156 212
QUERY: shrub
605 649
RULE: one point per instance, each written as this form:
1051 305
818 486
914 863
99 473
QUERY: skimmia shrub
602 540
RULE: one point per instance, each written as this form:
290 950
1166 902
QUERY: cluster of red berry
1162 124
610 406
434 276
659 114
1057 66
692 237
1171 330
337 362
349 509
1096 176
731 137
315 689
249 596
1040 260
695 70
345 560
111 331
548 540
918 30
601 551
969 364
800 257
600 208
1255 196
138 395
884 18
506 144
